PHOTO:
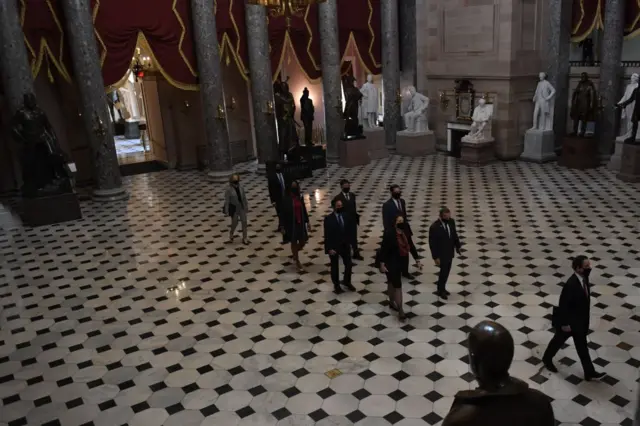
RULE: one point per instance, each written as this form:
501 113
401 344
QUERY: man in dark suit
348 199
443 240
278 185
391 209
571 319
337 244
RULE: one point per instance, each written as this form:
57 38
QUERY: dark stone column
14 61
558 67
331 81
261 84
211 90
610 74
88 77
408 43
391 71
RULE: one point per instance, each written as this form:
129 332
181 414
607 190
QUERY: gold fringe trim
184 32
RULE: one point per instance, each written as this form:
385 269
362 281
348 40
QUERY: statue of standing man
584 105
369 103
307 112
544 100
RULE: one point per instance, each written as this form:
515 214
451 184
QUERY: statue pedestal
579 153
132 129
354 152
630 164
616 158
477 153
539 146
416 144
376 143
51 209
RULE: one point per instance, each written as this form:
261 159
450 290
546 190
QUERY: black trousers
354 240
345 253
579 339
443 275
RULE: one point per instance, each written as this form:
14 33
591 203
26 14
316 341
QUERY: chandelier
285 8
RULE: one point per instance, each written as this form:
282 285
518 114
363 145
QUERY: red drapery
166 28
43 27
230 23
632 15
588 15
299 30
359 23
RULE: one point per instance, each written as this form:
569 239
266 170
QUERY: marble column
261 85
331 81
88 78
557 58
391 71
408 42
211 90
14 61
611 72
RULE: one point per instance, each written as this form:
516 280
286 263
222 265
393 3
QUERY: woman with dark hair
393 256
295 222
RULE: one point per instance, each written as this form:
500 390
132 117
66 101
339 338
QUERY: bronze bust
44 169
500 400
584 105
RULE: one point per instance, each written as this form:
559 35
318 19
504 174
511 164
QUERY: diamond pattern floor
140 314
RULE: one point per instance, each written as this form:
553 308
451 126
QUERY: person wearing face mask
348 199
295 222
337 244
278 185
443 240
392 257
571 319
392 208
236 206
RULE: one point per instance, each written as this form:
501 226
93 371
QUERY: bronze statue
44 169
500 399
584 105
285 113
352 128
307 112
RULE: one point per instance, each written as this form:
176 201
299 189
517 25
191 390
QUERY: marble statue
352 128
635 115
482 115
307 112
369 103
628 100
44 169
584 105
416 117
544 100
499 400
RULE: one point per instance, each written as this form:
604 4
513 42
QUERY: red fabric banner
359 23
586 17
632 18
166 28
231 24
44 35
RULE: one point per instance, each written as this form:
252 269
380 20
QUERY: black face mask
295 191
235 182
396 195
339 210
346 190
278 169
586 272
401 225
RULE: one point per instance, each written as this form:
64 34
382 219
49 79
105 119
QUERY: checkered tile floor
141 314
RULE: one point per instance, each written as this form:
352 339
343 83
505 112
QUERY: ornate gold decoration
399 96
286 8
269 108
99 128
220 115
231 105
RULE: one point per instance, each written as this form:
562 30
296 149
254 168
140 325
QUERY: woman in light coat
236 206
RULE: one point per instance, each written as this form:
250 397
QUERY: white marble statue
627 111
544 100
369 103
482 115
415 119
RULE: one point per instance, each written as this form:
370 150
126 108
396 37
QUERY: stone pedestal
616 158
477 153
539 146
579 153
416 144
51 209
132 129
354 152
630 164
376 143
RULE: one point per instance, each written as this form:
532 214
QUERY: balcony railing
625 64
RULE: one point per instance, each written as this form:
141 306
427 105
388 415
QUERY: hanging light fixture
286 8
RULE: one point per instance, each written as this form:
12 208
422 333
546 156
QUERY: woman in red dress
295 222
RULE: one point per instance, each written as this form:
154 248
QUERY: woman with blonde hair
236 206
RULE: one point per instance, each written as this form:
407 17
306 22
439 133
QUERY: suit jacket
337 237
442 244
349 205
231 199
276 190
390 212
574 306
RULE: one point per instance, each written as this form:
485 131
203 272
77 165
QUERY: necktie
281 181
340 221
347 195
399 205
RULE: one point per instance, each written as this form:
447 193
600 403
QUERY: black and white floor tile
141 314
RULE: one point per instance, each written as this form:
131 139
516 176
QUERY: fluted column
261 84
331 81
211 90
558 66
88 78
610 73
390 71
14 61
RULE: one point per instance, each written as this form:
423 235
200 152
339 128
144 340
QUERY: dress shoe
349 286
337 289
447 293
442 295
549 366
595 375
